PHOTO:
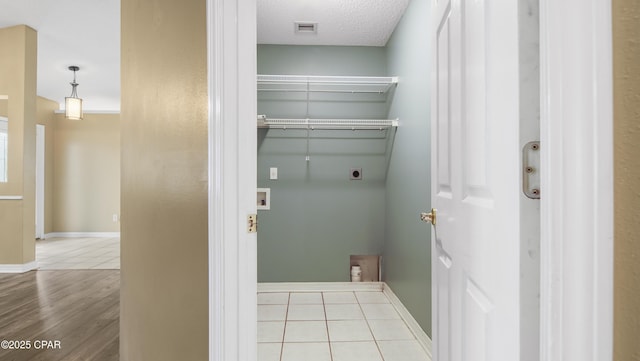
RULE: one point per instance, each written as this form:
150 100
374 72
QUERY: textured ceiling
340 22
87 33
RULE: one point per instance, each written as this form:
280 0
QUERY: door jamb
576 318
232 147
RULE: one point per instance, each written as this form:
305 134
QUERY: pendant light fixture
73 104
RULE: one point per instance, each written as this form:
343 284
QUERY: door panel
475 180
444 116
477 316
441 302
473 87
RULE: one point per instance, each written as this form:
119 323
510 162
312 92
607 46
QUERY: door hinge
531 170
252 223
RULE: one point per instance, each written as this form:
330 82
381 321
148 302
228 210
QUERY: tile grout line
326 324
284 329
369 326
330 341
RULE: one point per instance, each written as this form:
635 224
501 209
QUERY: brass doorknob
429 217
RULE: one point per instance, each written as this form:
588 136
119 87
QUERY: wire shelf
328 84
336 124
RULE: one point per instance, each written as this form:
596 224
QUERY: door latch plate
252 223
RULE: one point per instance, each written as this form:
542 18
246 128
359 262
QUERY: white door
475 180
40 132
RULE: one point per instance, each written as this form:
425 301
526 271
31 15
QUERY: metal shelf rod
323 91
380 84
337 124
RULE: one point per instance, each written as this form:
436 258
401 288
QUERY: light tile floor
78 253
333 326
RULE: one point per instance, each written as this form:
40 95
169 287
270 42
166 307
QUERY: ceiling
86 33
339 22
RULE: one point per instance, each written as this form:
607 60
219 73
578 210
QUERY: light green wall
321 60
318 216
407 247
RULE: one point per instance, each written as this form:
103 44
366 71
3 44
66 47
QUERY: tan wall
164 289
3 107
18 81
82 170
86 173
45 116
626 59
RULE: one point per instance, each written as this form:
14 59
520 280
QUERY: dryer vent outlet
356 173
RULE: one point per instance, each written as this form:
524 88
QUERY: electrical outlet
273 173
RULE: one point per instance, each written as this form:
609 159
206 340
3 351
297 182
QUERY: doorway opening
318 216
40 180
76 189
562 117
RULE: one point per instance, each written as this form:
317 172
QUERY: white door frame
577 179
40 179
231 49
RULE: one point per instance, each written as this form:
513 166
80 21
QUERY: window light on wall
3 149
73 104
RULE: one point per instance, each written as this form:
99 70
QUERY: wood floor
78 308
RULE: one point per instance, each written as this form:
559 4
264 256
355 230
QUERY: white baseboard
82 235
10 198
320 286
411 322
421 336
18 268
